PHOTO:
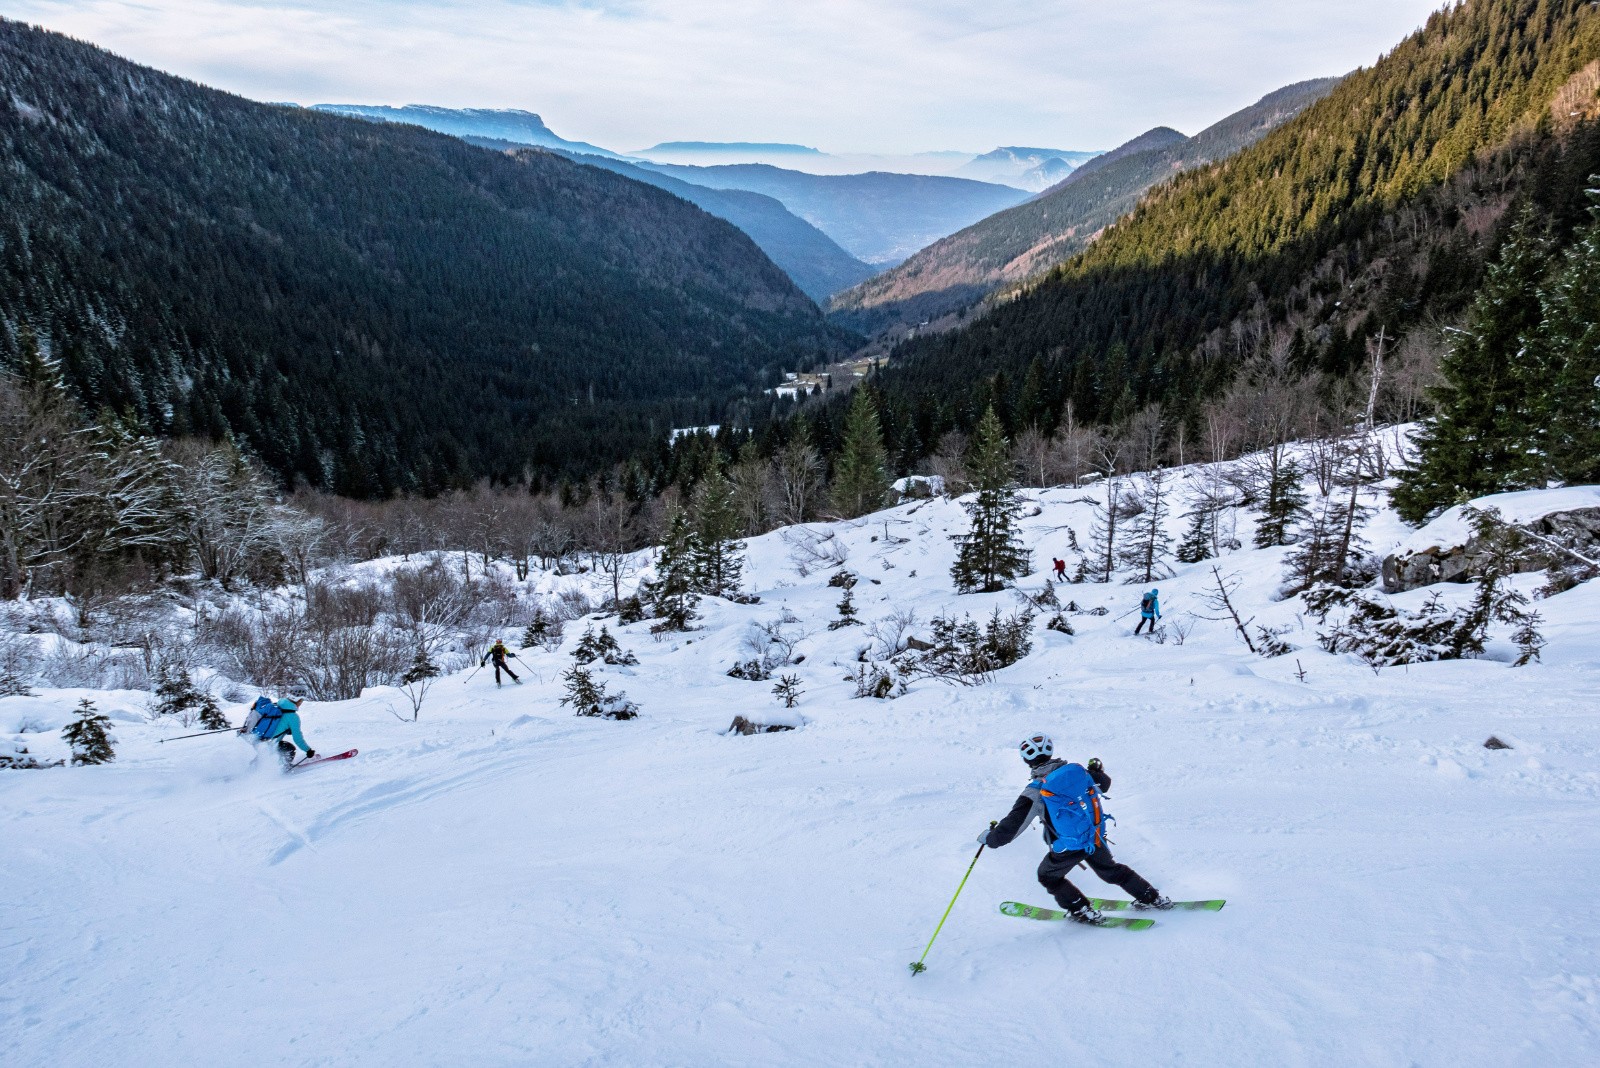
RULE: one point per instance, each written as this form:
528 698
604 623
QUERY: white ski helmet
1037 747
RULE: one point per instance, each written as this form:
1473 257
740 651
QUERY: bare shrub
892 632
68 665
573 603
774 641
18 664
337 605
814 550
430 602
265 649
341 662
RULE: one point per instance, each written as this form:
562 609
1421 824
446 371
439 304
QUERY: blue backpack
1072 802
265 717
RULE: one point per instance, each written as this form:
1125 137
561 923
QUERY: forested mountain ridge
1372 209
507 124
367 307
1019 243
814 260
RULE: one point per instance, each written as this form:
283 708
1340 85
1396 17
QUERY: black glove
1094 764
310 753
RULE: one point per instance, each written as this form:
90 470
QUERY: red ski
323 759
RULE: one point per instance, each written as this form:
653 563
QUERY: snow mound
1453 528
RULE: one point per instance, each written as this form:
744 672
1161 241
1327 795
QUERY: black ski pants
1146 619
1055 867
499 666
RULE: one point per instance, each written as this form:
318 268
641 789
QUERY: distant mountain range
1029 238
1033 169
878 217
366 307
723 151
522 127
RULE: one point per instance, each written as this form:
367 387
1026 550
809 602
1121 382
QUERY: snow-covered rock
1446 549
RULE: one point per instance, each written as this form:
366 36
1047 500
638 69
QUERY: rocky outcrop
1578 529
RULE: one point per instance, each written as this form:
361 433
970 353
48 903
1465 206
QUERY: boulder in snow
741 725
1446 549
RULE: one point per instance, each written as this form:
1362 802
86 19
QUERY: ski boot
1088 914
1162 902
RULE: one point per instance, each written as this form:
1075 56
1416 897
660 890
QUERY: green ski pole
917 967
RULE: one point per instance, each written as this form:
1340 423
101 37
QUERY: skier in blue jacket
1039 753
288 728
1149 611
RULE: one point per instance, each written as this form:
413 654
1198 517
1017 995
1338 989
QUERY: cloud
843 75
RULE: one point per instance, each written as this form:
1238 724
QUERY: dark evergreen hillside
818 266
1371 210
1022 242
368 307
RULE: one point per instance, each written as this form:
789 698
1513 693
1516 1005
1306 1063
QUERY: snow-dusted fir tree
588 696
991 552
1566 419
176 695
87 736
1476 441
718 553
671 593
1147 546
1283 502
861 474
1199 536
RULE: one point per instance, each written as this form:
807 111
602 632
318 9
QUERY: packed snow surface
502 883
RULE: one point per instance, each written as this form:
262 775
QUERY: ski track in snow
502 883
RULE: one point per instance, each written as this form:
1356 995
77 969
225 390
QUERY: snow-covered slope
504 883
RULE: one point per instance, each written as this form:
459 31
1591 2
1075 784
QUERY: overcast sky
888 76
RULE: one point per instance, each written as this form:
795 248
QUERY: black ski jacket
1030 805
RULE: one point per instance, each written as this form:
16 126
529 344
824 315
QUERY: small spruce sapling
418 680
602 646
177 695
788 690
542 631
847 613
589 697
87 736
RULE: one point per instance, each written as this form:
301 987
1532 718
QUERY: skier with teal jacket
279 722
1149 611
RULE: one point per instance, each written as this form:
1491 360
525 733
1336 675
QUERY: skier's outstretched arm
1015 823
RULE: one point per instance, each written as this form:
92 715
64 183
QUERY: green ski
1034 912
1105 905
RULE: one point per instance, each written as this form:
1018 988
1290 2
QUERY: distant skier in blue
1149 611
1065 798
